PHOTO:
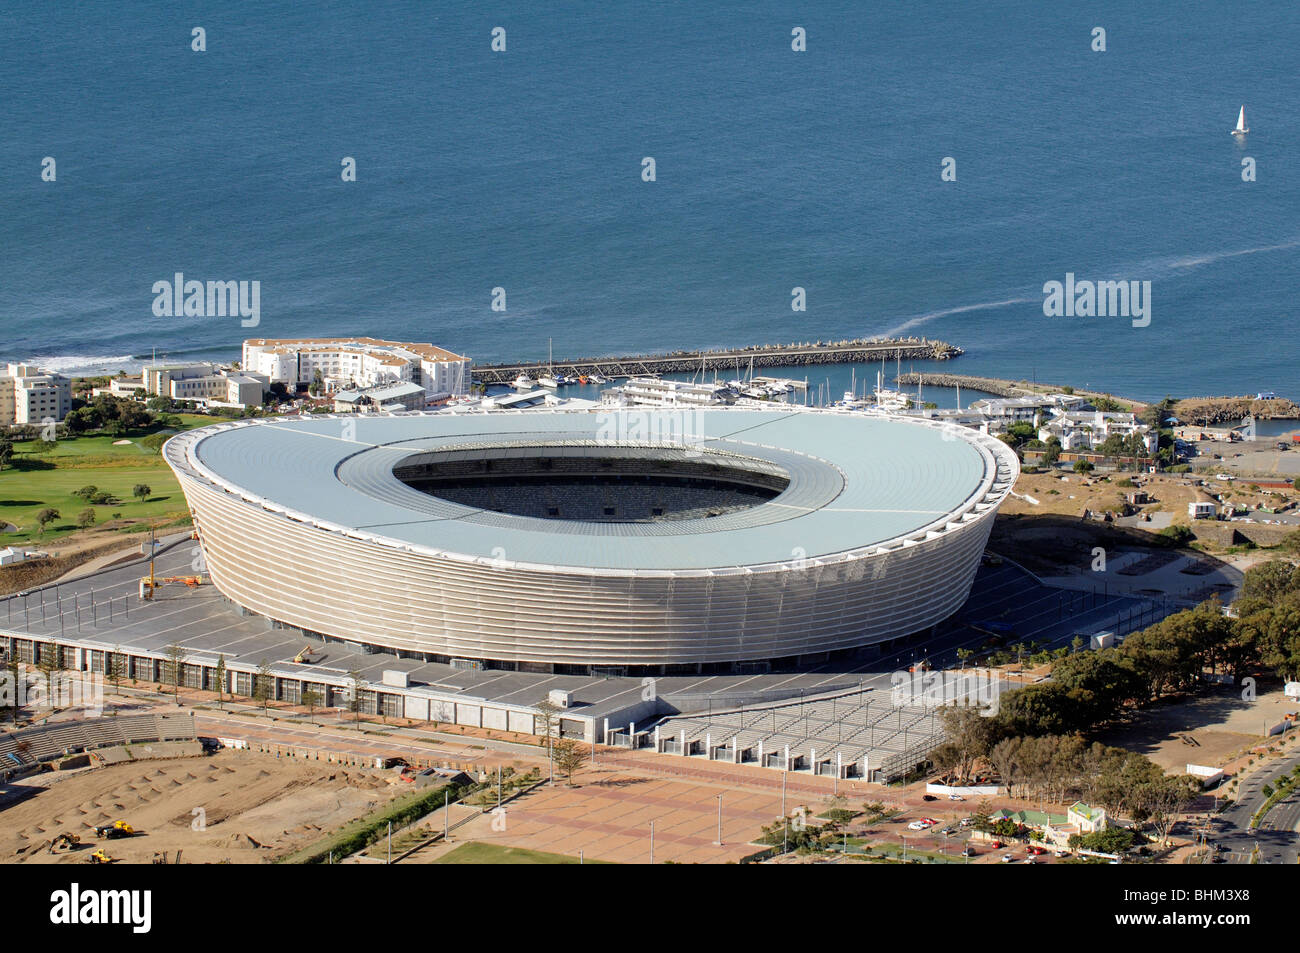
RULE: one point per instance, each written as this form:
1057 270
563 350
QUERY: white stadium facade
636 540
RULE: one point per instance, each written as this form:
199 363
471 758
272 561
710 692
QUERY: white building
29 395
358 363
129 387
1009 410
1087 430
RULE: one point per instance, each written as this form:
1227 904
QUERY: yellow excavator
64 843
305 655
101 857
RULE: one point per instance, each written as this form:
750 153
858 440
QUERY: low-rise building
386 398
1009 410
206 384
127 387
357 364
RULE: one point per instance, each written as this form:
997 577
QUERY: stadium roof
856 481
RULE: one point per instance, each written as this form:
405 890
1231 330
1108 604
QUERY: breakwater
730 360
1009 388
990 385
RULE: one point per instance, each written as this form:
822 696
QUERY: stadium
632 541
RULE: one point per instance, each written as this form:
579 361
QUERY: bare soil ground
1053 544
1211 730
74 555
254 808
1068 494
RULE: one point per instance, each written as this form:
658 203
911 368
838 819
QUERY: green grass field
480 853
37 480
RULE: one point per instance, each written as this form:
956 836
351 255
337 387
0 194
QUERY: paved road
1277 838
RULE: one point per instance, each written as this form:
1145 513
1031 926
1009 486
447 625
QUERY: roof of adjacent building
855 482
373 346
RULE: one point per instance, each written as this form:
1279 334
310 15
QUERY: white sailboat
549 379
1241 128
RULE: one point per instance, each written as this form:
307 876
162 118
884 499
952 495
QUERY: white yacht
654 392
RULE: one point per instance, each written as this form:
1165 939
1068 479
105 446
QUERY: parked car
970 852
1008 859
929 797
955 797
918 826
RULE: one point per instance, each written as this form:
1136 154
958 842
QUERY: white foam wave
63 363
1195 261
929 316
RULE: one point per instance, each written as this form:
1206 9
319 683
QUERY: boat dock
727 361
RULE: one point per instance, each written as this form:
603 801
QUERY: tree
45 517
115 666
220 678
1005 759
311 698
86 492
49 663
86 518
549 716
1083 466
570 755
82 420
1165 799
1111 840
6 451
1177 534
355 684
175 656
1266 583
141 491
1018 434
12 676
969 736
263 684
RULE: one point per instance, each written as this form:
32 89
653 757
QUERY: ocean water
775 169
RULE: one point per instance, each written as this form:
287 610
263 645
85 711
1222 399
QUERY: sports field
480 853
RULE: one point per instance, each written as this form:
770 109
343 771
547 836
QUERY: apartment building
29 395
